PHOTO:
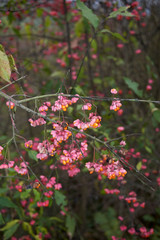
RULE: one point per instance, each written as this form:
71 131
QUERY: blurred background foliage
61 46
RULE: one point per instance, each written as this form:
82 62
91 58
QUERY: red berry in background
119 17
138 51
120 45
148 87
144 14
132 32
150 81
120 112
143 24
120 92
134 4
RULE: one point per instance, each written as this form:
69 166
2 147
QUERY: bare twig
9 84
94 98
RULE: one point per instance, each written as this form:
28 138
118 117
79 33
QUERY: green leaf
6 202
10 17
57 74
12 63
39 12
103 219
37 195
139 165
97 80
121 11
11 230
149 150
117 35
28 30
25 194
33 155
9 224
94 45
70 225
5 69
49 221
3 138
55 219
100 218
156 115
47 87
43 230
153 107
87 13
1 219
60 198
27 227
17 32
2 48
149 218
79 28
69 16
3 190
47 21
134 86
79 90
9 233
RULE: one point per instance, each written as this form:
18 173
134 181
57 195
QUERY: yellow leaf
5 69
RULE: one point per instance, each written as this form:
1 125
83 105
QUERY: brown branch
68 42
36 36
90 74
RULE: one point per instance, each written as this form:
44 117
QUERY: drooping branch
110 148
94 98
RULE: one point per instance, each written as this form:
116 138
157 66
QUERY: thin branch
9 84
128 135
95 98
68 42
53 38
